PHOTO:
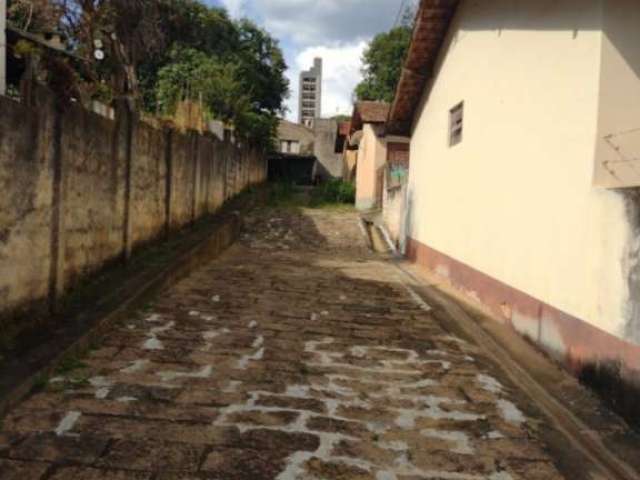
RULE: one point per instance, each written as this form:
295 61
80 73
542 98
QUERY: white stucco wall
515 200
618 150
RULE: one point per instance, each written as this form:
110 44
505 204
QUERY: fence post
50 121
168 194
195 154
3 47
124 148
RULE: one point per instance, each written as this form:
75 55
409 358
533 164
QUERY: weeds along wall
80 191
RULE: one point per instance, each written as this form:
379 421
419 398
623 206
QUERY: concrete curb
223 235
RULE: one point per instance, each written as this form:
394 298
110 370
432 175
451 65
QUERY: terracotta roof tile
344 128
432 23
373 112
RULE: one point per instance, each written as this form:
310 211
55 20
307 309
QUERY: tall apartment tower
310 101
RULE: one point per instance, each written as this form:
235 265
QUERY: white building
523 193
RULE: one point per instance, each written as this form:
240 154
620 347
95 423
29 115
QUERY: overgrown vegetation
333 192
329 194
281 194
157 53
383 60
618 393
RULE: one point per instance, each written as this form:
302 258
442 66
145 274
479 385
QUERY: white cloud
341 73
322 22
336 30
234 7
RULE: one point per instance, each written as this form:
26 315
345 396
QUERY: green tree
194 75
158 52
262 67
33 15
235 68
186 24
221 87
383 60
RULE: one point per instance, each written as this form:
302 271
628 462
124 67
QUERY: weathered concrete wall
93 190
26 212
148 183
183 176
329 162
80 191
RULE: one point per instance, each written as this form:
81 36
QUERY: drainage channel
375 236
579 435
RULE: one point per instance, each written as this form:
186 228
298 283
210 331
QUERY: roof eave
432 24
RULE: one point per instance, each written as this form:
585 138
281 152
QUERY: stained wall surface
80 191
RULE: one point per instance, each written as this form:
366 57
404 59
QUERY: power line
404 6
399 14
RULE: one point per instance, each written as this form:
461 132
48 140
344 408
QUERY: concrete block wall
80 191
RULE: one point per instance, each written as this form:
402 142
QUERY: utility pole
3 47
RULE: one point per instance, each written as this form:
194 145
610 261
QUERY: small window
456 120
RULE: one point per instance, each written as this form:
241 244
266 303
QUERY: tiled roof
294 131
373 112
344 128
368 112
432 24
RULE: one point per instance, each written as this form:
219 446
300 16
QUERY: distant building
295 139
294 160
369 118
298 144
310 96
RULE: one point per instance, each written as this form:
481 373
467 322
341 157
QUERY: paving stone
153 456
78 473
310 404
235 464
16 470
53 448
296 353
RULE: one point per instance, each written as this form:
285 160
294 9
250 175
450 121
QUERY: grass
69 364
333 192
282 194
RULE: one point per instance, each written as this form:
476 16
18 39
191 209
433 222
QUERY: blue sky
336 30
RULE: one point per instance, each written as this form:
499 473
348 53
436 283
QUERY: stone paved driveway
297 355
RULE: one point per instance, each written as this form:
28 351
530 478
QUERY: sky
336 30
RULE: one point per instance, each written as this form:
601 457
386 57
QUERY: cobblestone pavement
296 355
